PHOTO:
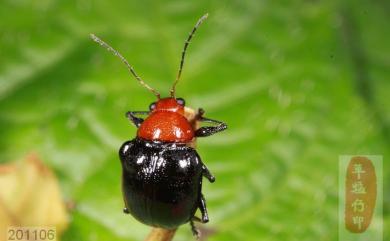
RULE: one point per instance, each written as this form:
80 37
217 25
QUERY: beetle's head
169 104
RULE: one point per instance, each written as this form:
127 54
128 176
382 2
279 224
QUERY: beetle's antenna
116 53
183 54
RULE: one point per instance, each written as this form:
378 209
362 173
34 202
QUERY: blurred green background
298 82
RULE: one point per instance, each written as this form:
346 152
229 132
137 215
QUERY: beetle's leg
203 209
125 210
206 173
196 219
208 130
194 230
200 113
131 115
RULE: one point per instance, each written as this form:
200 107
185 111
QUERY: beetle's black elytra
161 182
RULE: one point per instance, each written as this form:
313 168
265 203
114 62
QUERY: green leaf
299 83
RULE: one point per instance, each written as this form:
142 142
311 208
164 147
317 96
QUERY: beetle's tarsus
195 231
136 120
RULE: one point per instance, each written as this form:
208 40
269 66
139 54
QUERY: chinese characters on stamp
360 191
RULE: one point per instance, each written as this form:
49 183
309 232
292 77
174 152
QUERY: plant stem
160 234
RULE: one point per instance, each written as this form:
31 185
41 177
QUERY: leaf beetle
161 173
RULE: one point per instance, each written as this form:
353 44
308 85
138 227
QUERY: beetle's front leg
131 115
208 130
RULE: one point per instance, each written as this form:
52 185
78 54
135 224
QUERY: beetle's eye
152 106
180 101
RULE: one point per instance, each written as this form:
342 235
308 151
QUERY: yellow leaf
30 196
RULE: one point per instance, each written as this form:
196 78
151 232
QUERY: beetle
161 173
